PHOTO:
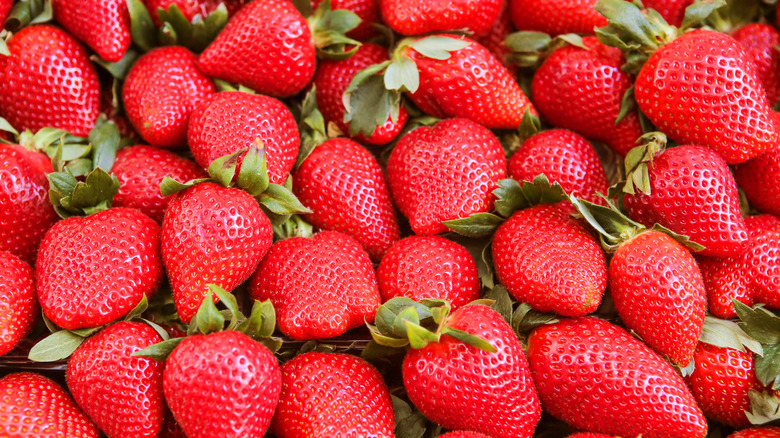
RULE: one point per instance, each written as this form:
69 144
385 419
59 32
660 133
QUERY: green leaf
28 12
509 197
197 34
261 322
502 302
253 175
6 126
476 225
138 310
98 188
408 423
208 318
229 300
697 12
312 127
613 226
628 18
369 105
469 339
160 331
759 323
118 69
384 340
767 367
418 336
159 351
764 407
104 139
438 47
142 27
57 346
530 125
727 334
627 105
402 75
526 319
223 169
280 200
169 186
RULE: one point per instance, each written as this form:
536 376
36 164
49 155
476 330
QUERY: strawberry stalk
28 12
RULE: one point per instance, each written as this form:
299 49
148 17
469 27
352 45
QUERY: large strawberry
18 306
122 393
570 16
32 405
419 17
103 25
160 92
48 80
638 392
332 394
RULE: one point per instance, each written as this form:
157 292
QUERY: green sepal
105 141
512 196
84 197
767 366
402 75
138 310
527 48
627 105
281 200
437 47
613 227
159 351
409 423
27 12
164 335
367 101
725 333
387 341
408 315
303 6
329 27
697 13
639 160
469 339
223 85
4 50
680 238
759 323
209 319
311 126
223 169
419 337
169 186
229 300
530 125
79 167
502 302
525 319
142 27
86 331
261 322
166 34
118 69
253 175
764 407
57 346
294 226
476 225
197 34
6 126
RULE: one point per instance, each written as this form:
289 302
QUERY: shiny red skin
320 286
121 393
367 10
332 394
25 210
443 172
696 181
462 387
224 384
556 17
422 267
267 46
345 187
589 435
93 270
550 260
495 38
582 90
48 69
211 234
463 434
5 8
18 306
760 41
659 293
675 90
33 406
419 17
229 121
759 179
564 157
673 11
191 8
721 381
160 92
472 84
333 77
757 432
103 25
595 376
140 170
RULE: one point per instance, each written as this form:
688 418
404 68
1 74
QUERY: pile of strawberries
378 218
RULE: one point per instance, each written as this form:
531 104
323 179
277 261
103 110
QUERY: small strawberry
332 394
18 306
103 25
760 42
419 17
555 18
757 432
366 10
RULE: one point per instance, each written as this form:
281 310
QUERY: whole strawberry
18 306
760 42
757 432
332 394
103 25
122 393
419 17
570 16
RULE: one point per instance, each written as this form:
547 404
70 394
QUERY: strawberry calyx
311 126
530 48
176 29
725 333
637 164
328 29
295 226
763 326
27 12
764 407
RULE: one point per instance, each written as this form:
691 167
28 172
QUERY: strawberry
759 177
673 11
563 157
320 286
366 10
555 18
48 80
18 306
495 38
141 169
757 432
122 393
332 394
447 171
760 42
103 25
222 384
419 17
421 267
32 405
5 8
550 260
191 8
638 392
229 121
160 92
25 210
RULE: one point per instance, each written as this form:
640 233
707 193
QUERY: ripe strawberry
320 286
32 405
582 90
422 267
550 260
160 92
18 306
103 25
495 38
366 10
211 234
673 11
332 394
229 121
5 8
122 393
191 8
48 81
563 157
760 42
757 432
223 384
555 18
25 210
447 171
638 392
759 178
419 17
141 169
92 270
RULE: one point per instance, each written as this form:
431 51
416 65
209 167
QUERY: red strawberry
25 210
550 260
229 121
5 8
637 391
419 17
160 92
122 393
320 286
191 8
366 10
495 38
48 81
332 394
673 11
563 157
422 267
757 432
447 171
759 178
211 234
103 25
760 41
582 90
141 169
92 270
554 18
18 306
223 384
